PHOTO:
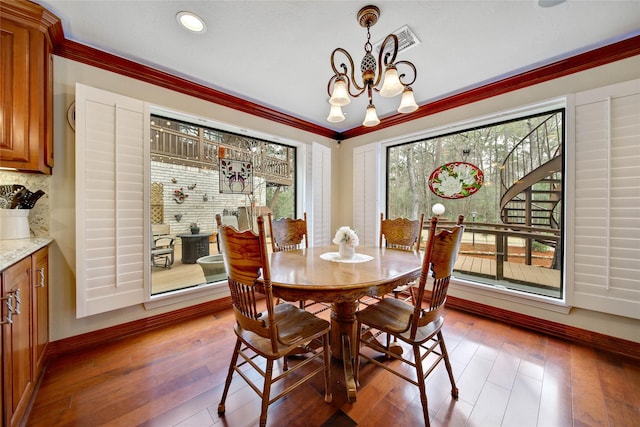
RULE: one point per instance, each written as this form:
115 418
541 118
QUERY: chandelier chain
367 46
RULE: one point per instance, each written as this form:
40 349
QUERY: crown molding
97 58
564 67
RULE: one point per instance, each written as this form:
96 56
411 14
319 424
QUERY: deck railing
503 232
171 146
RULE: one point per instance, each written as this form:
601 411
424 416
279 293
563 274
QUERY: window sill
210 291
512 296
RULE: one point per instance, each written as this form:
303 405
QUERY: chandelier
343 83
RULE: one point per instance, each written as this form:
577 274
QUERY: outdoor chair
162 251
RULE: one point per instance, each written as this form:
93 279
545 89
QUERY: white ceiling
276 53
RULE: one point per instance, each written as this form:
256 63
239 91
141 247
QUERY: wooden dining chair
288 234
404 234
270 334
418 327
401 233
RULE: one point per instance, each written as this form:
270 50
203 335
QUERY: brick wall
195 208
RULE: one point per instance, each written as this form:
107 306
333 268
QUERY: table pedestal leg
343 330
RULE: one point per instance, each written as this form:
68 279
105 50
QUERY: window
114 234
511 197
188 190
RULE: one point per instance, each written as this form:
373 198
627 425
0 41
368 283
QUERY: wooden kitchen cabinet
40 307
26 87
24 288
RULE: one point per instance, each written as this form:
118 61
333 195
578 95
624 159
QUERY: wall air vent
406 39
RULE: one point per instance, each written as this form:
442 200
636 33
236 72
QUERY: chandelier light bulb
335 115
340 94
391 85
408 102
371 118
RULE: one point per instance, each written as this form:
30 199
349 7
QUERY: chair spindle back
246 260
288 233
401 233
439 259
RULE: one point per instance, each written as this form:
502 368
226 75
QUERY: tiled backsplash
39 215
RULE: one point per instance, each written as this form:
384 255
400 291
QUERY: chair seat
392 315
162 251
296 328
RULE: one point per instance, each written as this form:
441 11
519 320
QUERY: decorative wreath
179 196
456 180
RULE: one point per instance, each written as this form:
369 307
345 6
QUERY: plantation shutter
319 180
112 134
607 200
366 190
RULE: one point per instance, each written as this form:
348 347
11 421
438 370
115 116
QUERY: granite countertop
13 250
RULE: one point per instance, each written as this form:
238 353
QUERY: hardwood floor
507 376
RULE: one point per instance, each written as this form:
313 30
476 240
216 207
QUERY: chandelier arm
351 80
382 63
391 38
402 76
358 92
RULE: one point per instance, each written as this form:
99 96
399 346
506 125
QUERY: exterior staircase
531 178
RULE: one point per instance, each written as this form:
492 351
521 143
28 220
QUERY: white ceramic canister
14 224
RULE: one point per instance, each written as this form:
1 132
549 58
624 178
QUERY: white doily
335 257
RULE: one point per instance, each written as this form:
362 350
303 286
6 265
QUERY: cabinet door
26 129
40 309
17 343
14 126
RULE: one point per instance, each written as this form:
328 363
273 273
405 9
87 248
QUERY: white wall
617 72
62 183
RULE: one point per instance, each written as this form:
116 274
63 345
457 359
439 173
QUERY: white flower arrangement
347 236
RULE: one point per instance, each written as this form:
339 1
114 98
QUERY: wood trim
104 336
564 67
619 346
97 58
597 340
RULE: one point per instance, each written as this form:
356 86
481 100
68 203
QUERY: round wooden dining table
318 274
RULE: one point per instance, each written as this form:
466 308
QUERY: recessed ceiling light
549 3
191 22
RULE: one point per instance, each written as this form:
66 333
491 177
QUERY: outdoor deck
520 273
